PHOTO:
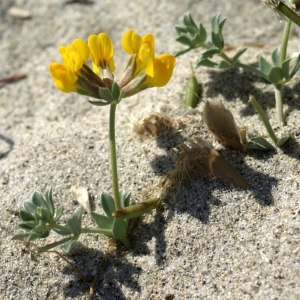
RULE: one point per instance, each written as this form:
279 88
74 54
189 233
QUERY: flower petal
61 78
131 42
163 66
78 46
101 51
146 53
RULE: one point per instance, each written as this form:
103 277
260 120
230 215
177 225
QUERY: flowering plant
143 71
278 73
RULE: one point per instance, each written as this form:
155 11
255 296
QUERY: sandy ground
209 241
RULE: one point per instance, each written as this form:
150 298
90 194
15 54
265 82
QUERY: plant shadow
111 276
10 144
242 86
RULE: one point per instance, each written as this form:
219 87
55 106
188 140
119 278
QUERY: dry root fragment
151 125
199 158
112 244
221 124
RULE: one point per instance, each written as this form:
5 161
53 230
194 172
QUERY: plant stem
278 100
264 118
84 230
113 154
251 69
284 41
289 13
126 242
96 230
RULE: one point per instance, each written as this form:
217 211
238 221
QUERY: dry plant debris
199 158
81 195
151 125
221 124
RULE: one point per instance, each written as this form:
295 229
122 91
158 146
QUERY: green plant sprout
143 71
277 73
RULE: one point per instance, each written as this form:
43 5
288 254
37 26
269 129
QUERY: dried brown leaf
220 122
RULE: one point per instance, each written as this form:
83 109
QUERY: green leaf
296 67
119 228
49 201
62 231
275 75
26 227
196 40
224 65
180 30
45 234
181 52
29 207
55 244
238 54
45 214
31 224
206 63
107 203
103 222
124 198
202 33
20 236
192 30
25 216
264 66
286 69
115 91
210 52
105 94
215 23
276 57
99 102
221 24
41 227
74 222
259 143
59 213
32 236
38 200
68 246
188 20
217 39
184 40
283 140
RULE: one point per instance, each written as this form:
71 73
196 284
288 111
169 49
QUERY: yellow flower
144 70
65 75
163 67
102 52
61 78
143 48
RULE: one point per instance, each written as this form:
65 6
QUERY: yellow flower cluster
143 70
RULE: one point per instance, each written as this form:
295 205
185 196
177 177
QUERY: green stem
225 57
96 230
126 242
289 13
278 100
264 118
84 230
60 227
251 69
284 41
113 154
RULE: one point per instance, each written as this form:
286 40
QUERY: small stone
19 13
